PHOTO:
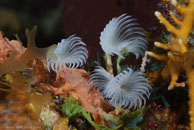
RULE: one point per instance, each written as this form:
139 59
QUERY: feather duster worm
122 35
126 89
101 78
70 51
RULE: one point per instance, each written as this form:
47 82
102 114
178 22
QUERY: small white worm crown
126 89
101 78
69 52
123 33
143 64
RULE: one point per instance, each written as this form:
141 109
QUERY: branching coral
69 52
180 55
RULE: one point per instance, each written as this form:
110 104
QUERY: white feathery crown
123 33
127 89
101 78
71 51
143 63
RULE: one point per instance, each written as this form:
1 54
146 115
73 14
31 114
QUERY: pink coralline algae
7 46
